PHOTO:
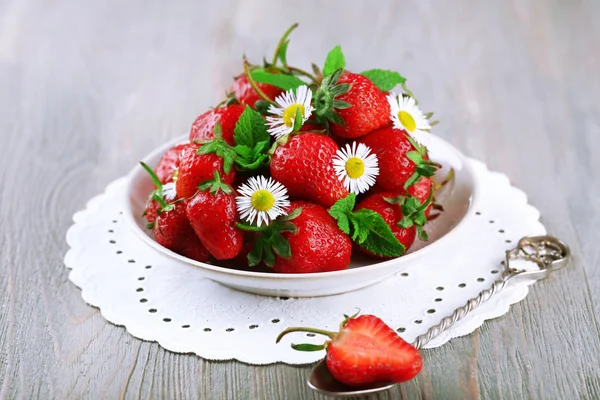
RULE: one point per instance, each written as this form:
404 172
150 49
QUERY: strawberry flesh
367 351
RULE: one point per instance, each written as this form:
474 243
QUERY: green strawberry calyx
366 227
423 166
214 185
325 99
270 241
413 212
157 194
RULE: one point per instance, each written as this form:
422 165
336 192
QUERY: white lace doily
159 299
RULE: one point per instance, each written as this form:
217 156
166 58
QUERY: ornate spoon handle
547 252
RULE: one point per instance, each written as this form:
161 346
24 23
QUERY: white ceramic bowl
458 199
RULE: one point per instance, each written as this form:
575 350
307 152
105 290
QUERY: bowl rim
128 213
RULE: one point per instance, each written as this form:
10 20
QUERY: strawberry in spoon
364 351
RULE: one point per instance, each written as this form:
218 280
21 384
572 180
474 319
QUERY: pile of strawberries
294 170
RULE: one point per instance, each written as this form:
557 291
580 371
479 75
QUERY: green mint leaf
282 55
243 151
385 80
335 60
343 206
250 129
298 120
282 81
344 223
380 240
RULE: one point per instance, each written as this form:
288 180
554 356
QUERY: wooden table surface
88 88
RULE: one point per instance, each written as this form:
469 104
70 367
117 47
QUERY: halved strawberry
365 351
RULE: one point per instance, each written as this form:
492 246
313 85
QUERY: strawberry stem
329 334
252 82
281 41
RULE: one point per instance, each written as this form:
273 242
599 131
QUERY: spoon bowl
321 380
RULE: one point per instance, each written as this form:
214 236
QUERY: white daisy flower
262 199
356 166
284 113
405 114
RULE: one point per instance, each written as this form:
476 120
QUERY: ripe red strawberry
304 166
170 162
197 168
392 214
172 227
365 351
213 214
363 107
318 245
191 247
390 145
204 126
170 223
245 94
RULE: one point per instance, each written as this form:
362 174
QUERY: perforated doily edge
106 310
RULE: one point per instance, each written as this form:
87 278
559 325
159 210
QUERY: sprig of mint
252 142
335 60
366 227
413 212
423 166
270 241
385 80
282 81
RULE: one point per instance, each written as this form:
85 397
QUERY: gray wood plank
88 88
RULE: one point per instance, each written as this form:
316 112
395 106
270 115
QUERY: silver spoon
547 252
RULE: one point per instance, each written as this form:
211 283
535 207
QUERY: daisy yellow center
355 167
289 114
407 121
262 200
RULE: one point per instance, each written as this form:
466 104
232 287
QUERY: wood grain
88 88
